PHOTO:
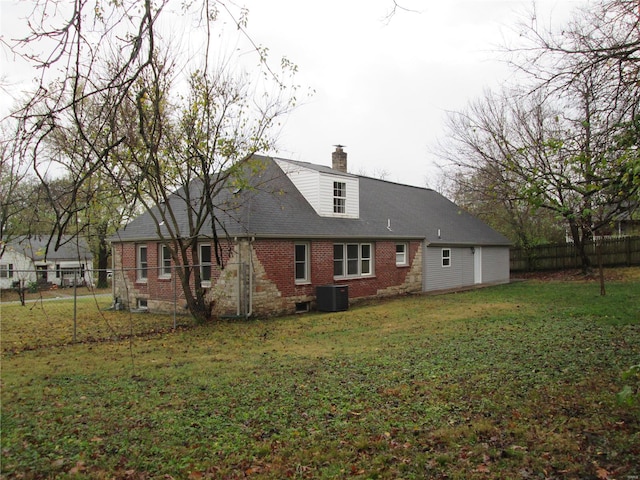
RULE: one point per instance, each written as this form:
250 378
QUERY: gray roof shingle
41 247
273 207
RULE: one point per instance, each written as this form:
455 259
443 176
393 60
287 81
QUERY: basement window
303 307
142 304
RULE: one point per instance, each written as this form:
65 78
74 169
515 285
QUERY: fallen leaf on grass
77 469
356 471
602 473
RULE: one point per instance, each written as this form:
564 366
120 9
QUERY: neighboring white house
27 259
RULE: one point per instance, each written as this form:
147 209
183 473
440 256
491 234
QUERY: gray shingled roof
40 247
273 207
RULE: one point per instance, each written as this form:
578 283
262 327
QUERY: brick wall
160 293
266 285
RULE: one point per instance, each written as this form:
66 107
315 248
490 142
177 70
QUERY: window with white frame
142 265
446 257
164 254
352 259
205 262
302 262
142 303
6 270
339 197
401 254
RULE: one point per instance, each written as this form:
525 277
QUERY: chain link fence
48 307
134 290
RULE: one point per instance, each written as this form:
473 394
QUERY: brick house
302 226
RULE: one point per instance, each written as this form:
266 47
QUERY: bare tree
605 35
487 152
117 113
564 143
15 187
185 157
495 202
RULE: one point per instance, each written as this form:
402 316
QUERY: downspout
239 297
113 274
250 312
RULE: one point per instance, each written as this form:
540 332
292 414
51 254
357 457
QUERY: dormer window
331 193
339 197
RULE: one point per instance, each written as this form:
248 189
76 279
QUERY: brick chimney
339 159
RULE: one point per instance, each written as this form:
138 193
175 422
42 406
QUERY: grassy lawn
48 322
516 382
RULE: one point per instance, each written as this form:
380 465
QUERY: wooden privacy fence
615 252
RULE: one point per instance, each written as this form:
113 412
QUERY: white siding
461 273
326 195
458 274
495 264
23 268
317 188
306 180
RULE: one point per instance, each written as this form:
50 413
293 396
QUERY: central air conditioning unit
332 298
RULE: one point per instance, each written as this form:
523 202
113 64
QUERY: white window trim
446 258
341 198
6 270
405 255
139 267
361 259
307 264
205 283
345 260
142 304
161 263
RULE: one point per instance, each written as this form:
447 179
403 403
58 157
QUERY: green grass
46 322
516 381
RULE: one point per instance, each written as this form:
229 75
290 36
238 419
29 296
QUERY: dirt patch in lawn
577 275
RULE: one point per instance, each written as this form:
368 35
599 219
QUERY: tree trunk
603 290
21 292
197 305
577 234
103 263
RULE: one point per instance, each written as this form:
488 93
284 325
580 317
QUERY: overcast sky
382 88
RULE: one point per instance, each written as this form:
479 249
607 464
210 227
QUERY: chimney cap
339 146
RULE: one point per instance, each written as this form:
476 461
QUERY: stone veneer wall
264 298
413 280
